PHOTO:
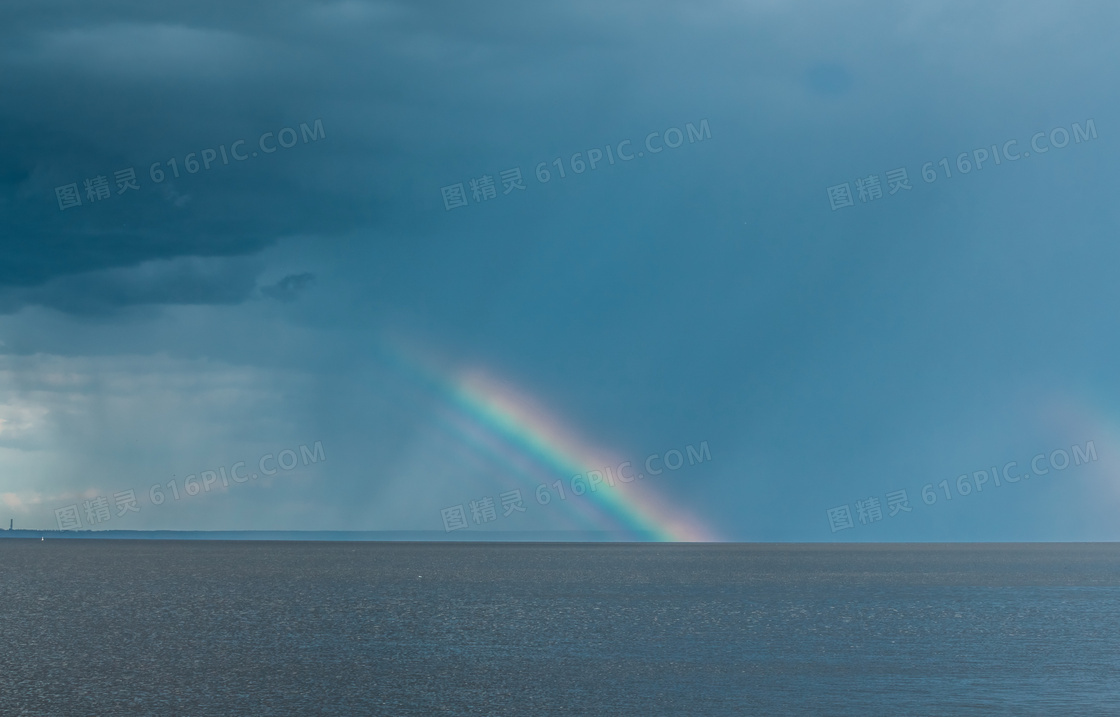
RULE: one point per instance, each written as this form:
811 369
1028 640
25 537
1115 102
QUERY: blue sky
708 293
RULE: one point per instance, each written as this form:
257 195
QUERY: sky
358 250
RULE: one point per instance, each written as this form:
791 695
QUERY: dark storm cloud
184 280
288 288
408 96
87 92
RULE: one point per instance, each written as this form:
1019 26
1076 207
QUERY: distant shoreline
436 536
332 535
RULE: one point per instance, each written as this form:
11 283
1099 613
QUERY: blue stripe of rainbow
530 445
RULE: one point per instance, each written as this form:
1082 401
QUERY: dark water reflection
265 628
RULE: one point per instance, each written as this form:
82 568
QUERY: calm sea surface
265 628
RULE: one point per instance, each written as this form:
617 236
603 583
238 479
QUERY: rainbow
540 456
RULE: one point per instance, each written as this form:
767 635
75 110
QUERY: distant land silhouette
333 535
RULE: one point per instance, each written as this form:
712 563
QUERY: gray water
215 628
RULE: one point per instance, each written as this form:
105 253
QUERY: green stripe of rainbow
527 441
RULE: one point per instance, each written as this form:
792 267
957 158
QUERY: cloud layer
257 300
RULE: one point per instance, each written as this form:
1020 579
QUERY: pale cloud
150 51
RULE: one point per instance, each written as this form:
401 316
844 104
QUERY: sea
173 627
